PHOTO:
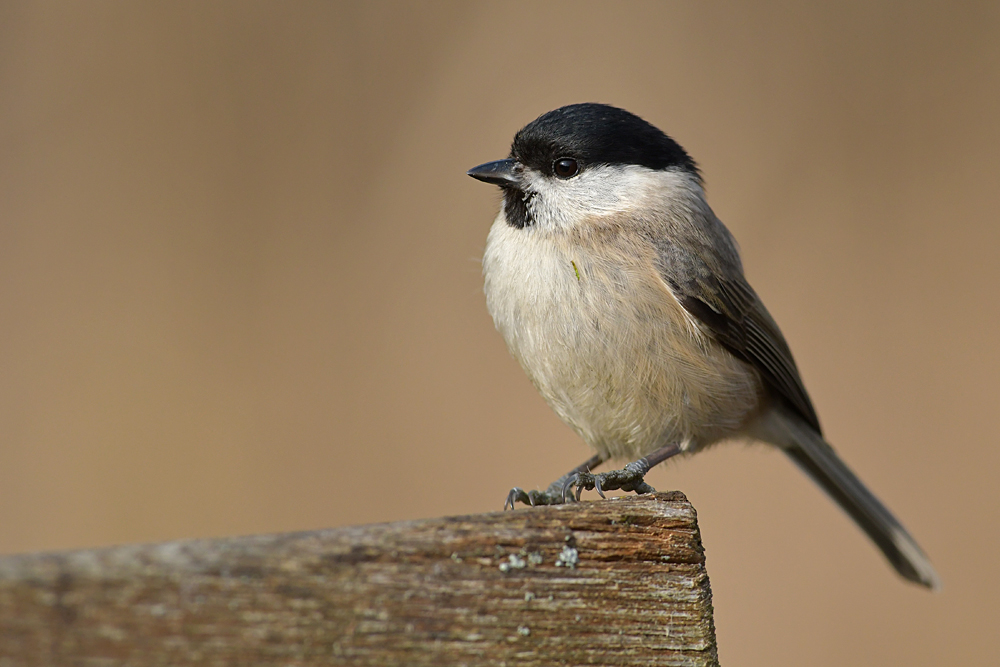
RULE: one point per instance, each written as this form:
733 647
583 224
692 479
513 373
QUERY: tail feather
817 458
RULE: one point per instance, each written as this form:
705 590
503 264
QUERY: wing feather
730 309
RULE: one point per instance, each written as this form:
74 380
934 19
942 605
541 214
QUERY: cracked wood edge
616 582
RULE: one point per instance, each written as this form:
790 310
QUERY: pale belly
611 350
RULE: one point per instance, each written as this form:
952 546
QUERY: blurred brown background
240 291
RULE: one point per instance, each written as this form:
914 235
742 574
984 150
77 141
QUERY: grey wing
724 302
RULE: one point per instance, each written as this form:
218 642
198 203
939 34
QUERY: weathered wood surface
618 582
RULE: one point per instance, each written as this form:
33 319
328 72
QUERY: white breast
608 346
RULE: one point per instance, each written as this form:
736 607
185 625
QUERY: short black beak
501 172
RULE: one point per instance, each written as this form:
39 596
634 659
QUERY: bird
623 297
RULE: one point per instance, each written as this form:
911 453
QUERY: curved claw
516 494
567 485
581 480
597 487
534 498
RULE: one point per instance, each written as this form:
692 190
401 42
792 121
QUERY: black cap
596 134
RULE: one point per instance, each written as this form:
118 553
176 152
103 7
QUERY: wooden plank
617 582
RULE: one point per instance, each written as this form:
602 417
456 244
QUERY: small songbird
622 296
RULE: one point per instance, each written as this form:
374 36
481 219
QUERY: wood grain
616 582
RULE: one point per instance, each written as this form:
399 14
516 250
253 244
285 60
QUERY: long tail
817 458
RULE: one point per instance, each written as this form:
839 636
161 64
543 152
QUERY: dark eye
565 167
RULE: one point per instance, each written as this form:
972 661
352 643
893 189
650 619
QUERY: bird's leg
629 478
555 494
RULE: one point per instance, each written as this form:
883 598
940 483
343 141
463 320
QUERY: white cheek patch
600 190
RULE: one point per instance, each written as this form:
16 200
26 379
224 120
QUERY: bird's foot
555 494
552 496
629 478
